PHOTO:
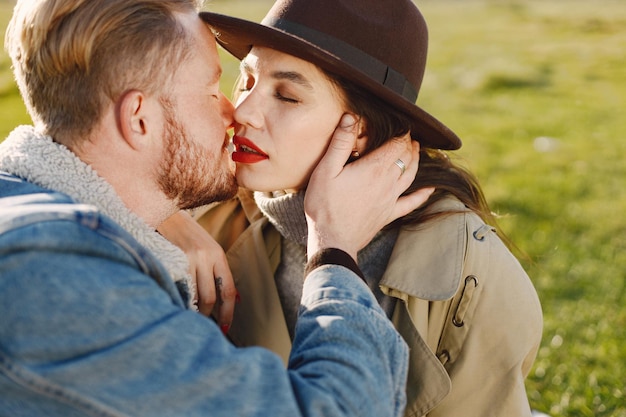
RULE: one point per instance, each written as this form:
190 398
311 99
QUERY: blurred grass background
537 91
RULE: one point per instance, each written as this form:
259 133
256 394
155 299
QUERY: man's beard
191 175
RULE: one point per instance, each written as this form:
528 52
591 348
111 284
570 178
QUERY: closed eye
281 97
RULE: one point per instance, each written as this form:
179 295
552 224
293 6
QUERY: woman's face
285 116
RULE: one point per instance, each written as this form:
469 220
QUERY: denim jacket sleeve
90 329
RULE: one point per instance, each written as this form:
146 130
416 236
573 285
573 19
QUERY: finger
410 202
207 294
226 296
383 159
411 161
340 146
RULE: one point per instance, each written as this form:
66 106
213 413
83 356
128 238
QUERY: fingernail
237 298
225 328
347 120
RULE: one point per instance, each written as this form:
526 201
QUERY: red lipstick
247 152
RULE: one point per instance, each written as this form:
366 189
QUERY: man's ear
132 118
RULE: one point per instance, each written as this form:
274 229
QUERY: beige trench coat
468 311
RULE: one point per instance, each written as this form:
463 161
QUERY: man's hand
346 205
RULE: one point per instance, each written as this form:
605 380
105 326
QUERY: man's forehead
206 48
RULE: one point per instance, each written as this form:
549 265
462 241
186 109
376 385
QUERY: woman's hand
346 205
216 292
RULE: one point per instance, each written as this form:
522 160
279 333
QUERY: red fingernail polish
225 328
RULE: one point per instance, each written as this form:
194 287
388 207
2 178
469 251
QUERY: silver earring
355 154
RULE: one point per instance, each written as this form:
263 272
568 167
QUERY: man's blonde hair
71 56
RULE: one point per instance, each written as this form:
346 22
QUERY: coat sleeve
491 335
84 332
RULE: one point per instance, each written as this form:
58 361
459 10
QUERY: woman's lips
246 152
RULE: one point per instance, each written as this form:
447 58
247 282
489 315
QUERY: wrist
332 256
319 240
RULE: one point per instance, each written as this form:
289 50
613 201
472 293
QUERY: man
130 127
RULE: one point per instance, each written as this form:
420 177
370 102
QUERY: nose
248 111
228 110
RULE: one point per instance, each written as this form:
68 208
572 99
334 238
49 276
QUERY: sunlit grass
537 92
12 110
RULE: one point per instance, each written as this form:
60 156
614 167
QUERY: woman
454 291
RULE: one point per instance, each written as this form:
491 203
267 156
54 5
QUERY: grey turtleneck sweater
286 213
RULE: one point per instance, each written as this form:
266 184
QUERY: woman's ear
361 141
131 118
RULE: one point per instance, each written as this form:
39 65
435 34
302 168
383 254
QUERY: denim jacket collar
38 159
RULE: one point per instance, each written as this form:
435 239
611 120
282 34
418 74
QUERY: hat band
367 64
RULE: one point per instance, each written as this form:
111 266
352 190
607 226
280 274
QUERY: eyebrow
245 67
292 76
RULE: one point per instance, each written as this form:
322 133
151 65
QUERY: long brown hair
436 168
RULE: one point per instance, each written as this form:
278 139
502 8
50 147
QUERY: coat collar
252 211
427 260
435 251
253 258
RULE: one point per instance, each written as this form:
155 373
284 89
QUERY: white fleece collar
38 159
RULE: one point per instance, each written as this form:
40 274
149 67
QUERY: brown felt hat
380 45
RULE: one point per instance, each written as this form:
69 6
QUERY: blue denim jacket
92 325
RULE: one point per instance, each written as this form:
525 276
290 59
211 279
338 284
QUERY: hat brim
238 36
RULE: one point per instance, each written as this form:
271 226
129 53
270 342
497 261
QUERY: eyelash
285 99
276 95
248 82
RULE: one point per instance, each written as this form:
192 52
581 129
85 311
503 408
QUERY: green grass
508 77
537 91
12 111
